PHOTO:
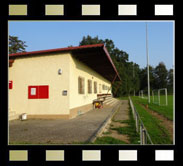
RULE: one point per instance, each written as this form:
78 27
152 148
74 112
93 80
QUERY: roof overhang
95 56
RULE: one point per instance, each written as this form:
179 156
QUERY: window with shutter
89 86
80 85
100 90
95 87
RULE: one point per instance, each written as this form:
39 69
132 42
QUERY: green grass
129 130
166 111
157 132
108 140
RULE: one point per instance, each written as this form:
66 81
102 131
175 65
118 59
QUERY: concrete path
121 115
77 130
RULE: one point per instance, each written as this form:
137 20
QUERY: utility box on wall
38 92
10 84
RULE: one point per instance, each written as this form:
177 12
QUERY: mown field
157 131
166 111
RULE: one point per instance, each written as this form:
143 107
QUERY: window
89 86
100 90
108 88
95 87
103 87
38 92
81 85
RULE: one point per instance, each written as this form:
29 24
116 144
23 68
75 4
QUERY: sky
127 35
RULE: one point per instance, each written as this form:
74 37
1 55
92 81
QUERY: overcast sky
128 36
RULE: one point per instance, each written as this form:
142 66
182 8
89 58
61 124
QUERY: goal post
142 94
155 96
163 99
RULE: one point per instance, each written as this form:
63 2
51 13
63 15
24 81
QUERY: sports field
162 109
158 119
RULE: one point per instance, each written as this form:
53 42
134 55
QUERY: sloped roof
95 56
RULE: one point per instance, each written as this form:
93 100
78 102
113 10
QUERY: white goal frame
159 99
153 96
166 98
141 94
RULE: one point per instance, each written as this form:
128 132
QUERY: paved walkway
123 113
77 130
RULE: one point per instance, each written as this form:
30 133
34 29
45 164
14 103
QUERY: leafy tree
120 59
16 45
89 40
143 78
170 81
133 78
161 75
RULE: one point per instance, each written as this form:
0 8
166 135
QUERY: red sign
38 92
43 92
33 92
10 84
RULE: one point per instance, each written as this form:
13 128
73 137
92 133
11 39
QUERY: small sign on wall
10 84
33 91
64 92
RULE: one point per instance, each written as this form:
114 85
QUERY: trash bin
24 116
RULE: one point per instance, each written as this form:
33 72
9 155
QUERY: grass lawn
157 132
166 111
129 130
108 140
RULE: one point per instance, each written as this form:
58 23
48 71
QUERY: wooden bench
100 99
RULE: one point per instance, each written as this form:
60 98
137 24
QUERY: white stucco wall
40 70
77 69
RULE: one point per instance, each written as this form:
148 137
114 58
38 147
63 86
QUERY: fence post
141 134
132 106
166 97
144 136
159 96
137 122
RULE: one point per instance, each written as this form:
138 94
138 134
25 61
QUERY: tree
161 75
132 76
143 78
170 81
16 45
89 40
120 59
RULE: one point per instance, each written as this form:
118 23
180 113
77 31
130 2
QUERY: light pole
133 78
148 81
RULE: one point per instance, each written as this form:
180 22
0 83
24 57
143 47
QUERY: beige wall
43 70
77 69
40 70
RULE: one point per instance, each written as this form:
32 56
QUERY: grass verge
166 111
130 129
157 132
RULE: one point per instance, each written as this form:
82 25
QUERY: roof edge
109 57
55 50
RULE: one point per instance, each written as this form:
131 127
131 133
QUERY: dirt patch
168 124
117 121
121 137
123 113
118 124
